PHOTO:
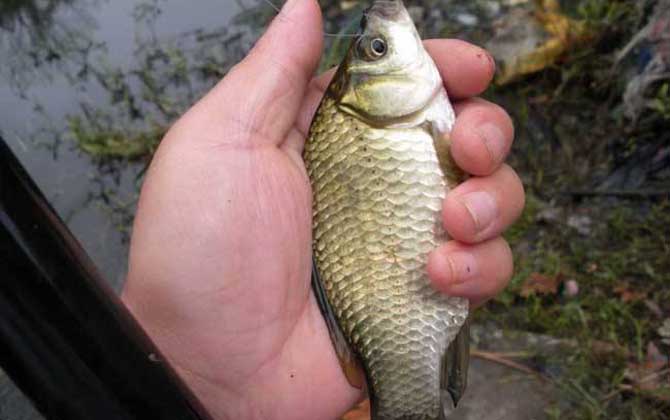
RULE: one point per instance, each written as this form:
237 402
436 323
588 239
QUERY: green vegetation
592 248
621 267
108 143
661 104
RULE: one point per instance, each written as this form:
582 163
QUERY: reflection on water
79 68
41 36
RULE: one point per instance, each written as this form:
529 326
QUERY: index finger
466 69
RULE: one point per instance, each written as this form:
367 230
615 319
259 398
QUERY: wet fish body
380 168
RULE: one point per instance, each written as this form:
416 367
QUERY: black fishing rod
66 340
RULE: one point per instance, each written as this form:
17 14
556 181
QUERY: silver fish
380 168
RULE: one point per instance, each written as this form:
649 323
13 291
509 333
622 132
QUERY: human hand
221 250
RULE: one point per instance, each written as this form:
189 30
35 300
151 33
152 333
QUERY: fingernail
494 141
463 267
482 207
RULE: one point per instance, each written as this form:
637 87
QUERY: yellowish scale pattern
377 201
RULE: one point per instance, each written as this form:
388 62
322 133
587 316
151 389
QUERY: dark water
36 99
53 57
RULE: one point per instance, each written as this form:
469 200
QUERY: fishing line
330 34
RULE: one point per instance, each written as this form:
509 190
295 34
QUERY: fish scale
377 201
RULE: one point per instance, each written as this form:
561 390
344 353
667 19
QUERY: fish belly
377 203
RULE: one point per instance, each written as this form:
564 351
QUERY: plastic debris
653 59
467 19
571 288
581 223
532 37
664 332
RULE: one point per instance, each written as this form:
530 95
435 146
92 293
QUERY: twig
501 359
632 388
637 38
653 375
622 388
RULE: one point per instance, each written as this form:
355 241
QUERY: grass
591 164
623 273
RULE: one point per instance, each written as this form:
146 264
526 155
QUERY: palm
229 237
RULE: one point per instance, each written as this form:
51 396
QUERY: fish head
387 74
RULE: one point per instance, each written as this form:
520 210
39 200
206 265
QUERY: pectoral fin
348 360
455 366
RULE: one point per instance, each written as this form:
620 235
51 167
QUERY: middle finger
481 137
482 207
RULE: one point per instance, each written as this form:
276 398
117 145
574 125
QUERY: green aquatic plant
112 143
661 103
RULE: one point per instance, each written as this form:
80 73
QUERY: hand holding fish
221 250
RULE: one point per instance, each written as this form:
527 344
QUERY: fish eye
378 47
371 49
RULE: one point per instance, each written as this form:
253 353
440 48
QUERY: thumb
258 101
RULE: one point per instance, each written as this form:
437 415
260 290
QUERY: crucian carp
378 159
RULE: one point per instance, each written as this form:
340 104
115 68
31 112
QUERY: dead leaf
654 308
539 99
662 393
652 376
654 356
608 349
592 268
541 284
360 412
627 295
